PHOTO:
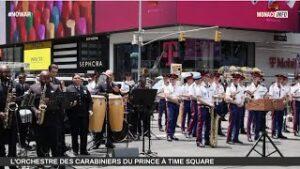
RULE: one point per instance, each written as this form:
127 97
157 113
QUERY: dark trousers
47 138
23 130
162 109
255 118
173 111
194 118
234 122
277 122
186 116
296 121
219 110
242 120
203 121
79 127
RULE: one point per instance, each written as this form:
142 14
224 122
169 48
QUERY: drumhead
112 96
98 97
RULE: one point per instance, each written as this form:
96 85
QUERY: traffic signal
218 36
181 37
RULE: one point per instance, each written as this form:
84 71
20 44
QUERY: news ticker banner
153 161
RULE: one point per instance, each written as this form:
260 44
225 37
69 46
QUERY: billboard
38 55
41 20
256 15
2 22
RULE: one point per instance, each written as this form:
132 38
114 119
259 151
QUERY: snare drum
116 112
97 119
25 116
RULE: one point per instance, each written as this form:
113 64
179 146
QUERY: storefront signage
38 59
91 38
280 62
38 55
90 64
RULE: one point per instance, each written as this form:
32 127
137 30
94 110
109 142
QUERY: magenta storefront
195 53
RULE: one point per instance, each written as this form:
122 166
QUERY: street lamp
140 40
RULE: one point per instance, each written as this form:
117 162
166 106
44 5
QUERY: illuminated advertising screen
42 20
38 56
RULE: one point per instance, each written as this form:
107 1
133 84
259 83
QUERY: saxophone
42 107
10 107
214 118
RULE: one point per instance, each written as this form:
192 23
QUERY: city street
187 147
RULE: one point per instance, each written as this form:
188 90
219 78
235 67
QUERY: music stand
263 138
143 101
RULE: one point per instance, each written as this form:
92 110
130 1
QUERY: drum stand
263 138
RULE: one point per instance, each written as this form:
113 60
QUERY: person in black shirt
79 115
47 133
7 135
21 88
53 70
106 86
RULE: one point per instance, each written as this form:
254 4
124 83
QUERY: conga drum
116 112
97 119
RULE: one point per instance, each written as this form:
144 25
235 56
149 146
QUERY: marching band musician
295 97
235 98
48 132
79 115
194 106
186 102
219 100
7 135
172 97
162 109
127 84
91 86
286 89
253 92
21 88
276 91
204 93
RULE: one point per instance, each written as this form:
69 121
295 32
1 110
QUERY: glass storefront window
11 54
193 54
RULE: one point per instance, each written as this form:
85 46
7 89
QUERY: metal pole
140 39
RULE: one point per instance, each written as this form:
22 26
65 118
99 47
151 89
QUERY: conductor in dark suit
47 133
79 114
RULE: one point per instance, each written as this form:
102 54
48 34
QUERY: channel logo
273 14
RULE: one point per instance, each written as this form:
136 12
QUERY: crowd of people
200 102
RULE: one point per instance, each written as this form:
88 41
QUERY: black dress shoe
169 138
109 145
229 142
238 142
200 144
282 137
207 143
85 153
175 138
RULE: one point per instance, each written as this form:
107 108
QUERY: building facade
98 35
